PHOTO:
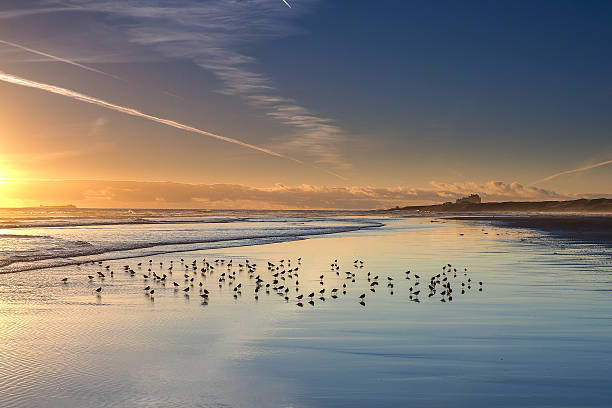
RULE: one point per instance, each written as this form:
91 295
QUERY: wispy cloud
12 79
16 13
215 35
59 59
578 170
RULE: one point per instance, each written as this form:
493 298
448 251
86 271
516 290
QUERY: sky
302 104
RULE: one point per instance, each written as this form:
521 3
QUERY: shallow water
539 334
93 238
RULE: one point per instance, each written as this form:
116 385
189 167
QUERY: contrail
12 79
329 172
60 59
592 166
288 5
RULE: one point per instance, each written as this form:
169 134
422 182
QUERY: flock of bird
282 278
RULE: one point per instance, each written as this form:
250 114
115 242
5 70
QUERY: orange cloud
498 191
91 193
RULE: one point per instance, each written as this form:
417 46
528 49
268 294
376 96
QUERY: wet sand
573 227
538 334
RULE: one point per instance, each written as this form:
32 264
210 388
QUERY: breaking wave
57 243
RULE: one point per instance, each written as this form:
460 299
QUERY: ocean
536 332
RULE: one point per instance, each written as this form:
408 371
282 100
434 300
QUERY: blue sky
489 70
382 94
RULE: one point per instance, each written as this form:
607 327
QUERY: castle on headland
471 199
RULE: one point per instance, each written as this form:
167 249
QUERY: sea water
538 334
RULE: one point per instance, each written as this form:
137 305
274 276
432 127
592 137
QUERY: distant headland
473 203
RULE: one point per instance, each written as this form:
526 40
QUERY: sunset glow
305 203
167 95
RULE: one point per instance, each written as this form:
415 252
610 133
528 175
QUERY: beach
305 204
537 334
580 227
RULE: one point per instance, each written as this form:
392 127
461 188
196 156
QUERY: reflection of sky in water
52 246
538 335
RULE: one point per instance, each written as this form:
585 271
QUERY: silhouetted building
471 199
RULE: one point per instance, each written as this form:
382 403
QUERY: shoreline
99 253
588 228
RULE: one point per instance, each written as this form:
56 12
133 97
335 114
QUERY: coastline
588 228
122 250
539 313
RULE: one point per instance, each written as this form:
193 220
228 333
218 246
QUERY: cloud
90 193
215 35
498 191
97 126
59 59
12 79
10 14
578 170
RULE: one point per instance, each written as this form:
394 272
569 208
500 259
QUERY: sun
4 175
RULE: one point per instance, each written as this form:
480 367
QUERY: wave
17 236
86 222
80 251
